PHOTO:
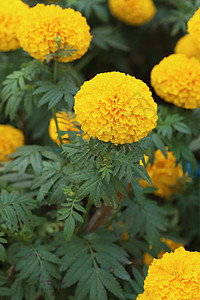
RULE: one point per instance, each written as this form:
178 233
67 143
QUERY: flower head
116 107
164 173
10 17
187 46
176 276
171 244
43 24
10 139
133 12
66 122
176 79
194 28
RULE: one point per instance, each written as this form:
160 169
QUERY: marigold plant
176 79
116 107
10 18
43 24
10 139
175 276
187 46
165 175
133 12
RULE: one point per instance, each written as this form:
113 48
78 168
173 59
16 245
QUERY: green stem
55 68
117 210
87 210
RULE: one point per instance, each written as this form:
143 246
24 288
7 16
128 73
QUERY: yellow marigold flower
10 17
176 79
43 23
10 139
172 246
66 122
116 107
186 45
194 27
176 276
164 173
133 12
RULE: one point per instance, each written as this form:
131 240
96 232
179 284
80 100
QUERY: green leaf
69 228
2 253
111 284
182 127
36 162
159 144
97 290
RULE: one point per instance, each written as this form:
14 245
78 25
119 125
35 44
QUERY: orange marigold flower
165 175
176 276
171 244
43 24
176 79
116 107
10 139
194 27
66 122
133 12
187 46
10 17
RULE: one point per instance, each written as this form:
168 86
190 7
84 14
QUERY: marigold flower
165 175
10 17
43 24
187 46
176 79
194 27
171 244
116 107
66 122
10 139
176 276
133 12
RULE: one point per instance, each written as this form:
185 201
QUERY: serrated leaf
69 228
159 144
111 284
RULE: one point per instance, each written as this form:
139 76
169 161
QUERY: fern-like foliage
183 126
37 264
17 88
15 210
105 168
145 219
70 212
95 264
